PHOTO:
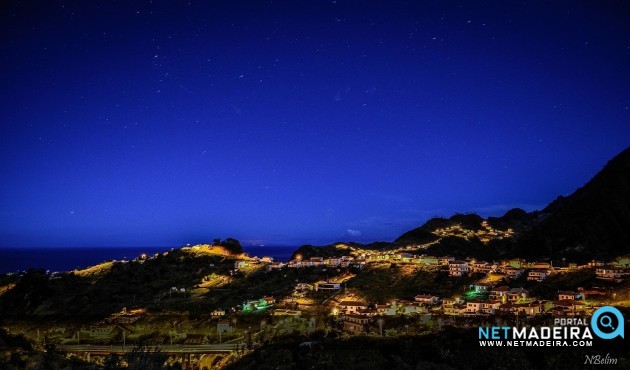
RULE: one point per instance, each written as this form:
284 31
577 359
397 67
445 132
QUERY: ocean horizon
14 259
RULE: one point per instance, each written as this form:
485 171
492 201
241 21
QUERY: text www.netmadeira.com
535 343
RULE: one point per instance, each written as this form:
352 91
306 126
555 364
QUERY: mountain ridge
591 223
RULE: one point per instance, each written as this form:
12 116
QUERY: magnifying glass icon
606 322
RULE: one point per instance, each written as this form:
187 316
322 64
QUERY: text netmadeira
543 332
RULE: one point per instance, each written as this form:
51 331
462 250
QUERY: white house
610 273
513 273
458 268
569 295
499 293
327 286
568 307
351 307
428 299
537 275
516 294
218 312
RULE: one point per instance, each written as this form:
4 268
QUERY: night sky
165 123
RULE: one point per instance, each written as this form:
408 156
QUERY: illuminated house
513 273
477 306
594 291
451 301
499 293
351 307
294 264
403 257
327 286
368 312
516 263
515 294
427 260
356 324
529 308
458 269
541 265
595 263
537 275
303 286
490 307
260 304
428 299
409 307
474 306
569 295
481 287
568 307
456 309
610 273
218 312
482 267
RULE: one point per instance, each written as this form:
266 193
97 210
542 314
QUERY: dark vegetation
308 251
232 245
147 284
461 248
381 285
130 284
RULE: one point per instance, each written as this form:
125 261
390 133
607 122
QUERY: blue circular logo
608 323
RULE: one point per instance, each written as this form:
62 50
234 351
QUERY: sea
66 259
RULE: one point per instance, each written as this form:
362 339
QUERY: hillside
591 223
107 287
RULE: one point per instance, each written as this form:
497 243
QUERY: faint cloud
351 232
498 210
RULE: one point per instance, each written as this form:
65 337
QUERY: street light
380 325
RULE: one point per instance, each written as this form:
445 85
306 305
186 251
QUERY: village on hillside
485 290
234 303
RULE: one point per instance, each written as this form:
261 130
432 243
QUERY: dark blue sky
162 123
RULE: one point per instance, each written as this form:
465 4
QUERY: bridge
199 356
178 349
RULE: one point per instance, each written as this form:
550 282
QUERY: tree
112 361
232 245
